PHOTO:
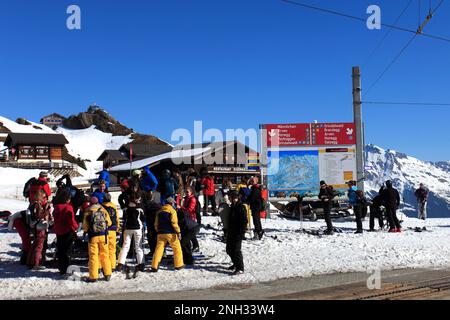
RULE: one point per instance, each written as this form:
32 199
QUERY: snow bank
12 181
20 128
88 144
292 254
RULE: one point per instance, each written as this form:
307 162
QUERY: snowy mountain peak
406 174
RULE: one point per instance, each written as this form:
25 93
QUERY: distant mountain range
406 174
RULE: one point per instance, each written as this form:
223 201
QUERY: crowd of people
383 206
173 219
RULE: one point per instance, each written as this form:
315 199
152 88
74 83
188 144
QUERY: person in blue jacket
101 191
148 181
356 204
104 175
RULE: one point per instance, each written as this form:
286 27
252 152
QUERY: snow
88 144
20 128
12 182
291 255
406 174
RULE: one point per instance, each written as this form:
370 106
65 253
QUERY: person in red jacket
65 227
209 194
190 205
40 185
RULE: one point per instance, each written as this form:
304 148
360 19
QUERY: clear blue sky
158 65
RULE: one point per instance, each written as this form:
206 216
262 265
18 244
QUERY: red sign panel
333 134
310 134
288 135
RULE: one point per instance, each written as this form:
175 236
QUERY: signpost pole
357 116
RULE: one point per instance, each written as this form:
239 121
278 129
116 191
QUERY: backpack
98 223
113 215
27 187
190 224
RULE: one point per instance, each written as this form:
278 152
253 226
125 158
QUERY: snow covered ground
88 144
290 255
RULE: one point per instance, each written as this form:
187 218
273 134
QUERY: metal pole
357 118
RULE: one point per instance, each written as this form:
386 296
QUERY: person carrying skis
65 228
391 201
257 205
356 204
132 230
40 220
166 225
95 225
236 232
113 230
124 187
422 198
326 195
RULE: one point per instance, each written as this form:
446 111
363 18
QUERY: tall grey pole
357 118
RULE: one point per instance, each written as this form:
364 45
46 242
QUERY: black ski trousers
64 249
256 216
357 209
375 212
391 213
234 246
327 214
208 200
186 247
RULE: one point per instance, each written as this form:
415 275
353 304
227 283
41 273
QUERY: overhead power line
386 34
337 13
418 32
406 103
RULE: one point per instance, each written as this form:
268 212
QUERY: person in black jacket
151 208
236 232
375 212
326 195
133 218
391 201
189 228
256 206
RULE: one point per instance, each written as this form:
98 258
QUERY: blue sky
158 65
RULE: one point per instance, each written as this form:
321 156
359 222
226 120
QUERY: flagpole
131 158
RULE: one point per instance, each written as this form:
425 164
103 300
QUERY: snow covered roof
14 139
174 155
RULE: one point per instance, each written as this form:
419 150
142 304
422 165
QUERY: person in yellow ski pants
113 230
98 243
166 225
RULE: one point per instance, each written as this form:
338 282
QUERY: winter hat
107 197
43 174
322 182
94 200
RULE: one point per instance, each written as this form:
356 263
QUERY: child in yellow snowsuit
96 223
113 230
166 226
